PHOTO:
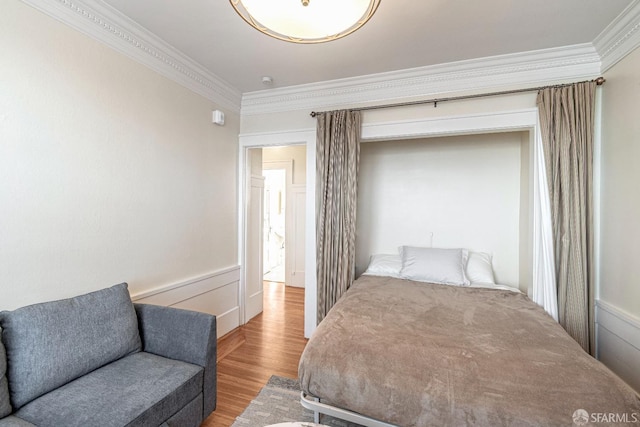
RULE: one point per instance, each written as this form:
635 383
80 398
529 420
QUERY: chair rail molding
214 293
107 25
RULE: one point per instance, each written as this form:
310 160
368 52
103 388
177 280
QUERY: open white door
255 209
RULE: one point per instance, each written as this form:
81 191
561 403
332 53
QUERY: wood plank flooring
269 344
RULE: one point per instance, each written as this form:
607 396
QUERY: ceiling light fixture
306 21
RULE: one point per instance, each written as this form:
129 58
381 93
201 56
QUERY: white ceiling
402 34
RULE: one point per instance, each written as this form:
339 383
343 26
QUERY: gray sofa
100 360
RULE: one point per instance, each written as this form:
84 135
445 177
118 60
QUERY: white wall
620 224
109 172
465 190
618 311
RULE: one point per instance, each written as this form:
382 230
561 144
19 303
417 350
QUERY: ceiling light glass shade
306 21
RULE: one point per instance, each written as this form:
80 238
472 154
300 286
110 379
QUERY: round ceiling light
306 21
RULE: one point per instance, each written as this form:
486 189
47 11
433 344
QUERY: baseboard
618 342
215 293
230 342
297 279
254 305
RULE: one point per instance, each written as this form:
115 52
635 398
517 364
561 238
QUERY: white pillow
444 266
384 265
479 268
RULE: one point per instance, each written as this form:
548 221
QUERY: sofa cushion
52 343
140 390
5 406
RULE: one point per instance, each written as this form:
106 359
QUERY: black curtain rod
599 81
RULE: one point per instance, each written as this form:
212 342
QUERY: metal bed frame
318 408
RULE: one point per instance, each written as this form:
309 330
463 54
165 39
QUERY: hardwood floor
269 344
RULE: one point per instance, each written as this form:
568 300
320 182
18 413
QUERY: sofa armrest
189 336
12 421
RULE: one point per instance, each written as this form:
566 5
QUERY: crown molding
620 37
101 22
105 24
527 68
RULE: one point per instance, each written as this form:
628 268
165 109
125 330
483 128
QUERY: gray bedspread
421 354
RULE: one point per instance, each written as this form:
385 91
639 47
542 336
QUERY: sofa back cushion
53 343
5 406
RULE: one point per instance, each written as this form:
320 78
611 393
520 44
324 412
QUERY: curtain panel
337 165
567 127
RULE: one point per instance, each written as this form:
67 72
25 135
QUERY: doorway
274 217
275 221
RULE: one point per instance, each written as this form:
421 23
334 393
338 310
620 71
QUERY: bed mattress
422 354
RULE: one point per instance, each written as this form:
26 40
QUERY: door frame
305 137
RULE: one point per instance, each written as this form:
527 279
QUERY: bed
408 353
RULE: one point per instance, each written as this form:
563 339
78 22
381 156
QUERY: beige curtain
337 163
567 126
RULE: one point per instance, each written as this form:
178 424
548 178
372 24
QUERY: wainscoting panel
215 293
618 342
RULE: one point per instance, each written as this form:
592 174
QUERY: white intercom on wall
218 117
